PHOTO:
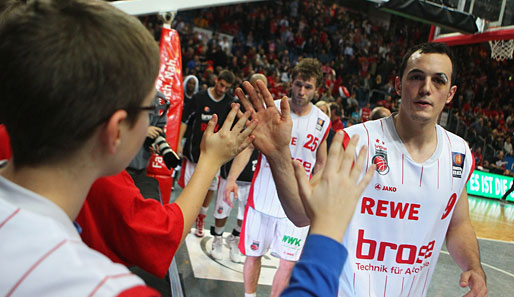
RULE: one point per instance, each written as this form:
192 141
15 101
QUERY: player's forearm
287 187
239 163
191 199
182 131
463 247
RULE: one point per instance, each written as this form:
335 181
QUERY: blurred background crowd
360 56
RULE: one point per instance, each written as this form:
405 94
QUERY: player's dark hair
67 66
430 48
307 68
335 109
227 76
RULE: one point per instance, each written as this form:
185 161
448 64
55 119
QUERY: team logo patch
220 210
319 124
254 246
206 109
457 164
380 158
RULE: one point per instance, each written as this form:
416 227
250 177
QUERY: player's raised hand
476 283
273 133
230 188
330 198
225 144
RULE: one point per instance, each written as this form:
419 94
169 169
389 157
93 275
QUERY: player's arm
321 157
272 137
182 131
462 244
215 150
238 165
187 114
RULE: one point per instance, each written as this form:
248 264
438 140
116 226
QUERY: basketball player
233 183
196 115
265 224
70 141
418 198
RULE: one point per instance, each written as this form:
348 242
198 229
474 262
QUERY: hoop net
501 49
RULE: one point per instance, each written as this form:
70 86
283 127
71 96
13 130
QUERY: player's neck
65 186
300 110
420 139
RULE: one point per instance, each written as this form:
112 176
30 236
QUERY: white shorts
261 232
222 209
188 168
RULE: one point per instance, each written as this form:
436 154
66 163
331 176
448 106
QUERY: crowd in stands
359 55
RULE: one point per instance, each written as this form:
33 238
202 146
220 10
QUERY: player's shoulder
456 142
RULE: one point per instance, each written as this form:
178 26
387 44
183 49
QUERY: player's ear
451 93
398 85
112 130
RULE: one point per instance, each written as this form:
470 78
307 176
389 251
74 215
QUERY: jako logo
379 187
291 240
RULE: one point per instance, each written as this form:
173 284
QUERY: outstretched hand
230 188
273 133
330 197
225 144
476 283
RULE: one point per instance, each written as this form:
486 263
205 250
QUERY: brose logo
369 249
291 240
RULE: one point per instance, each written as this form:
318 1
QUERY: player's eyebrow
442 75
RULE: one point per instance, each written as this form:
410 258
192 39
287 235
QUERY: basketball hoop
501 50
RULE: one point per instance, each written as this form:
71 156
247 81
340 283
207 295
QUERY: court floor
493 222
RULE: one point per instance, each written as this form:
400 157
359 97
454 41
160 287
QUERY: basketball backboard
496 21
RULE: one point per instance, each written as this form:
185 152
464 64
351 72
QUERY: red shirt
118 222
337 124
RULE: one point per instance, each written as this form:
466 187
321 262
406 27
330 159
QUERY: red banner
169 82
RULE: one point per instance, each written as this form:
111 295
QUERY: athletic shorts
261 233
222 209
188 168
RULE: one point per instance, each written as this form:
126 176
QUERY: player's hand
230 188
475 281
330 197
179 149
225 144
273 133
153 132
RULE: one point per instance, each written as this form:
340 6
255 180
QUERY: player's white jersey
308 133
400 223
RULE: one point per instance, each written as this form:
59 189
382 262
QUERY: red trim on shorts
242 235
421 177
9 217
182 178
105 279
51 251
255 173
